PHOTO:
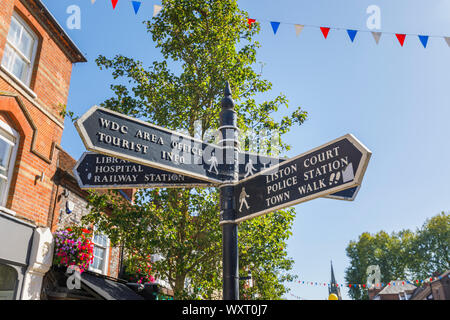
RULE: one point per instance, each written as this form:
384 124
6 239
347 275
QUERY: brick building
101 280
73 206
436 289
36 58
38 191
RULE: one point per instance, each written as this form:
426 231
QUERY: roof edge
57 32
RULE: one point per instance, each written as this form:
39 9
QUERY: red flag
250 22
114 3
325 31
401 38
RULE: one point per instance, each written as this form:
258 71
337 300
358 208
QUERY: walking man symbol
249 168
243 199
214 163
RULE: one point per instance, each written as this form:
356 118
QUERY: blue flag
275 26
424 40
136 6
352 34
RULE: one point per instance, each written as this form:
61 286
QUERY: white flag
447 39
156 9
298 29
376 36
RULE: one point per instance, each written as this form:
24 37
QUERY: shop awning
108 289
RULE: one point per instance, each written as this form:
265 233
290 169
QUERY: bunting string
352 33
372 286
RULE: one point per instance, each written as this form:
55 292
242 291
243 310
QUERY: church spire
334 288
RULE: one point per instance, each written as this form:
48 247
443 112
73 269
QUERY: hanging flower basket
73 247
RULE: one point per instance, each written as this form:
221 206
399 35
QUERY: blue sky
395 100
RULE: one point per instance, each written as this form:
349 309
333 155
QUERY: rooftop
397 287
49 22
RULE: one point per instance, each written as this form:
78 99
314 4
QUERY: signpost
333 167
117 135
98 171
131 153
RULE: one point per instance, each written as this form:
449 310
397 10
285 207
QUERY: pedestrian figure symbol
243 200
214 163
249 168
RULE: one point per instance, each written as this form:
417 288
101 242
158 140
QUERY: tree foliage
204 44
402 255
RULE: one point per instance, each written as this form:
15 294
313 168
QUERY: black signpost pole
229 140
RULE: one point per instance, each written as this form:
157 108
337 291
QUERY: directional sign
114 134
252 163
348 194
98 171
336 166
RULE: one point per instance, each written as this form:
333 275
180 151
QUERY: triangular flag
376 36
424 40
447 39
114 3
325 31
275 26
401 38
250 22
136 6
352 34
156 9
298 29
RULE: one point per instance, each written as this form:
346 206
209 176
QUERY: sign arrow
98 171
331 168
114 134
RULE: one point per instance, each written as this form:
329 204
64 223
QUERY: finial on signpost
227 102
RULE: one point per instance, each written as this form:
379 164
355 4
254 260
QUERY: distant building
438 289
395 290
334 287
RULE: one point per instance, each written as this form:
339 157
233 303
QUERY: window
9 140
8 281
101 245
20 50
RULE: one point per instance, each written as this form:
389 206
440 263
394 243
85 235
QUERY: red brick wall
51 78
37 119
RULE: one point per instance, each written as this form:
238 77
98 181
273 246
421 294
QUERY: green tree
429 250
204 44
403 255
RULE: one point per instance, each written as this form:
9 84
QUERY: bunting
373 286
136 6
424 40
376 36
352 34
250 22
325 31
401 37
156 9
275 26
447 39
298 29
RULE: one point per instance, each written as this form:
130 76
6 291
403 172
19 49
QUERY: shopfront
16 238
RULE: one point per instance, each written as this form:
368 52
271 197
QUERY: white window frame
31 62
13 137
104 270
